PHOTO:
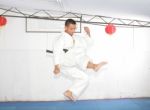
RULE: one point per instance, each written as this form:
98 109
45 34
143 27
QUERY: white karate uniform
74 62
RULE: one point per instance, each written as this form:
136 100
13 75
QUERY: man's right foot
69 95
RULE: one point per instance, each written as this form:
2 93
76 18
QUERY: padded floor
114 104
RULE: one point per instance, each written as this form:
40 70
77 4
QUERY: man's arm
58 49
87 36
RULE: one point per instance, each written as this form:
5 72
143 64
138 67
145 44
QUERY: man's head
70 26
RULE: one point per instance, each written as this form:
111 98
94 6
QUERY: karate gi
74 62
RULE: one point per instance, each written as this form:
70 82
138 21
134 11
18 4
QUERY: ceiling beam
85 18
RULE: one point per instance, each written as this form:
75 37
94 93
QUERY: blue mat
116 104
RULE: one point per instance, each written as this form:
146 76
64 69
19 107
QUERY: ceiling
113 8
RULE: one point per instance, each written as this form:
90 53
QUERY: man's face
70 29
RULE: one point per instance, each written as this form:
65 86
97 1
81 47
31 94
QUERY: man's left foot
98 66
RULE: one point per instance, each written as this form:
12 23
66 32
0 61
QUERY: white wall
26 69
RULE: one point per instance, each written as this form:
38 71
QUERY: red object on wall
110 29
3 21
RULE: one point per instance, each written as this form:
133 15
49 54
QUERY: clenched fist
56 70
87 30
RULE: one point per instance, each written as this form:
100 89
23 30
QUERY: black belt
50 51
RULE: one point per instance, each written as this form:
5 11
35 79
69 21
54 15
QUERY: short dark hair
70 21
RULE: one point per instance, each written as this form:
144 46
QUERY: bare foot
99 65
68 94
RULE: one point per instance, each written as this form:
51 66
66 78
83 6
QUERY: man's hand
87 30
56 69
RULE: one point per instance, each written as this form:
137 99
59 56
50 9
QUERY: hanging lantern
110 29
3 21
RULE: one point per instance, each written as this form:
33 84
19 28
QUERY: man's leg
85 62
95 67
80 82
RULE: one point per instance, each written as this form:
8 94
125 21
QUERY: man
73 62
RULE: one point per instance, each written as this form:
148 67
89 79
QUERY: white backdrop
26 69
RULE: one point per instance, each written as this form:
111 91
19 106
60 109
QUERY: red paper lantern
3 21
110 29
